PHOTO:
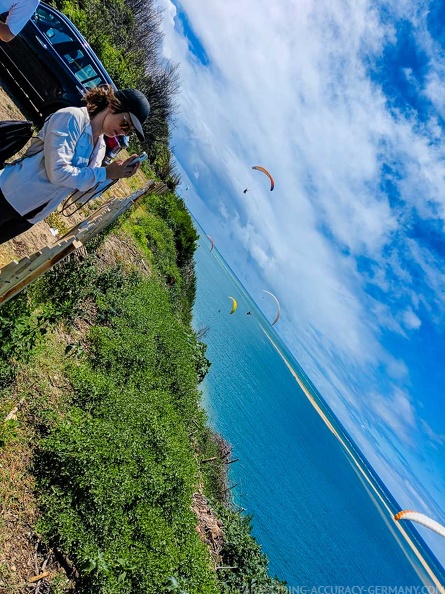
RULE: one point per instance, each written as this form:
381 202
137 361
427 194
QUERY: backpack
14 134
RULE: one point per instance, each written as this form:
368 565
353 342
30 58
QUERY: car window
52 26
82 68
68 47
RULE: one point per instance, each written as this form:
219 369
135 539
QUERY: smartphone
139 159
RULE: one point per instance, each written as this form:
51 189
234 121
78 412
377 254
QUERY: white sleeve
19 14
62 133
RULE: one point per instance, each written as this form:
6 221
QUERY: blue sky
344 102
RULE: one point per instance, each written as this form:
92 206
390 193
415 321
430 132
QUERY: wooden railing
16 275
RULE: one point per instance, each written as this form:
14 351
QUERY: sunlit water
320 514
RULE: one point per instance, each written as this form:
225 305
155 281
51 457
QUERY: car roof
81 39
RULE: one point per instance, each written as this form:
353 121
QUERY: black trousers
11 222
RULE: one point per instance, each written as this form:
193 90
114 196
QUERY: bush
117 475
163 226
22 327
242 553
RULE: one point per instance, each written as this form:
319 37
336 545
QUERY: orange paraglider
259 168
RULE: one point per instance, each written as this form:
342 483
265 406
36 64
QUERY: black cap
137 105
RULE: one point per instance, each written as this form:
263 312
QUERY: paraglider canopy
408 514
211 241
277 317
234 305
259 168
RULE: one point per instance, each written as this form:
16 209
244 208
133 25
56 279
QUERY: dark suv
51 62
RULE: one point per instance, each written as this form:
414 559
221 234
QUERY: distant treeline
127 37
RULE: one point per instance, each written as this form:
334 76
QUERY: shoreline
329 425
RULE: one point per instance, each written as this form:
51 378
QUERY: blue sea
320 512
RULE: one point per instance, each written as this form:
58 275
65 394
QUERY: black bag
14 134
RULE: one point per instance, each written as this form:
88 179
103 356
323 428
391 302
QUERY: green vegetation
122 453
120 434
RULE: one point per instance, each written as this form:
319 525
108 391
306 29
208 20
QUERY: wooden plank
45 265
30 263
22 265
7 270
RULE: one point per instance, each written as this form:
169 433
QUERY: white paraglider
408 514
277 317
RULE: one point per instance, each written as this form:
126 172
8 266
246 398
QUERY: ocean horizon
319 510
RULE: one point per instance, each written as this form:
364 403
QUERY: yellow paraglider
211 241
259 168
277 317
234 305
408 514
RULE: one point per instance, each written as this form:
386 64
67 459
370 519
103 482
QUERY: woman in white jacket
67 155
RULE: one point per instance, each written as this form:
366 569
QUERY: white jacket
19 13
69 161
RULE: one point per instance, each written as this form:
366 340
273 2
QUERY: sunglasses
126 126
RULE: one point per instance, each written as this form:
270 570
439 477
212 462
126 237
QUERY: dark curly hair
100 98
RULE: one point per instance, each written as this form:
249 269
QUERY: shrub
242 553
118 473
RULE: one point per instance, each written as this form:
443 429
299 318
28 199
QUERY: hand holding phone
119 169
142 157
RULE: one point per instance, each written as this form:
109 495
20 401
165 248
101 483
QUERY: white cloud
397 412
410 320
435 438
